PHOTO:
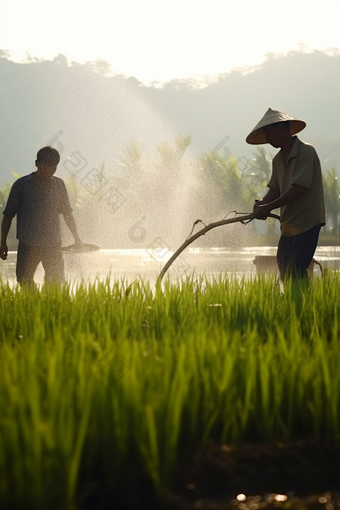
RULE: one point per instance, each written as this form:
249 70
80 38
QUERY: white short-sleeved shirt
302 168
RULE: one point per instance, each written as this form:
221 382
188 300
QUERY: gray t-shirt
37 209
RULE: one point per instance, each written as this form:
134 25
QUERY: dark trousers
28 259
294 254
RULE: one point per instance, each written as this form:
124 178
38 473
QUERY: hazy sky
165 39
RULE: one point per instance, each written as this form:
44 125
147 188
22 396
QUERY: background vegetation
175 189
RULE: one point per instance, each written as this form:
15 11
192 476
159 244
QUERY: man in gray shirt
37 199
296 187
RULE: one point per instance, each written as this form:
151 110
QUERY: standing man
37 199
296 187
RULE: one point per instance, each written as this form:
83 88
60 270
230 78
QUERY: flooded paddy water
146 263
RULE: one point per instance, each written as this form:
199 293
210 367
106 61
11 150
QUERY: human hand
3 251
262 212
258 202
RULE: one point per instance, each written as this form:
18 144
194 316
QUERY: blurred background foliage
215 184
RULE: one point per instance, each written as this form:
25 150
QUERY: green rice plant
113 379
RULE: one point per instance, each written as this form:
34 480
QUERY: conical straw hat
257 136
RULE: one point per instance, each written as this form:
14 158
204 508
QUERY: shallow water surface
147 263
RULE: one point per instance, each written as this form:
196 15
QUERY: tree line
211 186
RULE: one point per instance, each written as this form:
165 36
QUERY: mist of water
131 180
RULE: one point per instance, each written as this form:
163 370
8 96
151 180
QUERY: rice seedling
100 379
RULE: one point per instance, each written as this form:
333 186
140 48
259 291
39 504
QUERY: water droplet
280 497
241 497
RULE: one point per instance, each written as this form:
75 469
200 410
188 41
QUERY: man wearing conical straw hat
295 187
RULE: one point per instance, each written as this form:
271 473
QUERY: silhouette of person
37 199
296 187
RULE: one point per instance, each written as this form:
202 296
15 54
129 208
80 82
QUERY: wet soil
304 471
303 475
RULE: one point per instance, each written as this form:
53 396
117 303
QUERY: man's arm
5 227
272 195
71 224
294 192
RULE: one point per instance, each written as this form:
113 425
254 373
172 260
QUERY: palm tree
131 159
260 170
227 177
259 174
332 198
171 156
4 193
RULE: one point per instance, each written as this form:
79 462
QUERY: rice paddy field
117 395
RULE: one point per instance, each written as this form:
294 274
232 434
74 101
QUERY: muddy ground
299 475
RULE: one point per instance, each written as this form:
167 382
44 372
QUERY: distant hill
303 85
93 118
81 110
